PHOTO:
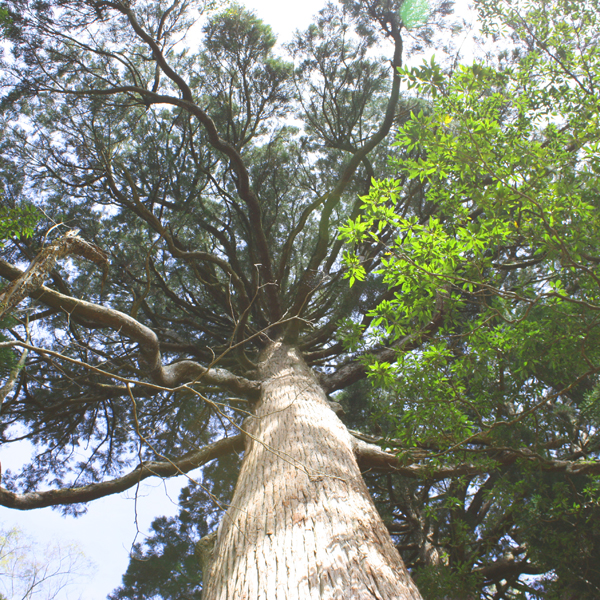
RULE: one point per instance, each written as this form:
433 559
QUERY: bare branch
93 491
165 375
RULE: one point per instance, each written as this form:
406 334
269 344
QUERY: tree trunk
301 523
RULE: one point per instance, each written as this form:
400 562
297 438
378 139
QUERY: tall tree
200 190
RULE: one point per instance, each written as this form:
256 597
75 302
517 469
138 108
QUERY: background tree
186 287
29 571
504 394
166 565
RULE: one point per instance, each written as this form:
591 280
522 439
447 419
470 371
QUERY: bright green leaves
17 222
355 270
489 146
428 75
414 13
441 415
497 290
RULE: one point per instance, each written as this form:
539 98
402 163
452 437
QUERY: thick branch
243 178
168 376
371 456
506 567
355 370
93 491
43 264
305 288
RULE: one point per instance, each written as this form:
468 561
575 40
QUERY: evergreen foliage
509 250
209 179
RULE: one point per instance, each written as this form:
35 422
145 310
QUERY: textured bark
302 524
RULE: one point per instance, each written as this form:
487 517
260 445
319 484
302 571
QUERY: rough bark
301 524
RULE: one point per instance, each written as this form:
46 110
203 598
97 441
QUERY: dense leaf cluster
509 257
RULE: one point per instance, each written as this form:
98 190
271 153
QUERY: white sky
107 531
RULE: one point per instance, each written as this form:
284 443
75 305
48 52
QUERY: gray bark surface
302 524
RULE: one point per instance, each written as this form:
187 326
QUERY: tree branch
94 491
305 288
354 370
371 456
507 566
243 178
171 375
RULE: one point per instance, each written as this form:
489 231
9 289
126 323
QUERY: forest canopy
272 267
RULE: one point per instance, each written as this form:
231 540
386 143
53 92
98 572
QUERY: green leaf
414 13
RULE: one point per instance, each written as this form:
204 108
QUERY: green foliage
414 13
556 519
509 257
7 357
18 222
166 566
497 290
5 20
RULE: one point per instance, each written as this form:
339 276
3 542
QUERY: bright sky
107 531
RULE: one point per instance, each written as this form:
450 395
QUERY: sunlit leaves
17 222
494 302
414 13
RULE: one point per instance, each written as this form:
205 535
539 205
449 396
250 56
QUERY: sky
106 533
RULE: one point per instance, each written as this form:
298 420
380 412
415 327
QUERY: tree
507 386
167 565
16 220
207 187
29 571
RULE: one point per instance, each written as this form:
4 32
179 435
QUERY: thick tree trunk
302 524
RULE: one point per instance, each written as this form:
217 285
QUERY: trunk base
302 524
